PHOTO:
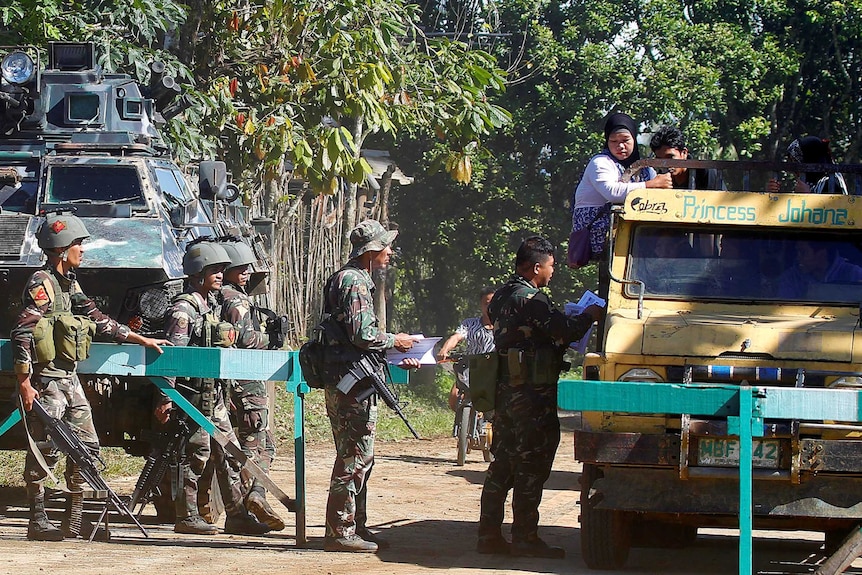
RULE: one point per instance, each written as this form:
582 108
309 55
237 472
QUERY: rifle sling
34 449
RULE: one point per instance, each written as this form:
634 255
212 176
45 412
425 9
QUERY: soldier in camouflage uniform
530 334
249 398
54 383
348 296
193 320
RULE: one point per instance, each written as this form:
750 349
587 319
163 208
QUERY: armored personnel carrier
75 137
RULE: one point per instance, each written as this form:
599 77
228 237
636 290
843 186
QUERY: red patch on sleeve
40 296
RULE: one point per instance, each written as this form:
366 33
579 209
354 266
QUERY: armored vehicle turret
75 137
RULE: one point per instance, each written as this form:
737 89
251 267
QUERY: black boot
39 528
535 547
244 523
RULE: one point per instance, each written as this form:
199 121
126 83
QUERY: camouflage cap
370 236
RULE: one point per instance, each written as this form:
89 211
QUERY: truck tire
662 534
606 534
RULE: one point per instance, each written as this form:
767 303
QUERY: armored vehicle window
173 184
18 186
711 262
91 183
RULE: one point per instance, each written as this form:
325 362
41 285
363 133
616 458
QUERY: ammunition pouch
73 335
208 330
484 374
200 393
222 333
539 367
62 335
43 340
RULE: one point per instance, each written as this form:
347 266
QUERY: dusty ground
420 501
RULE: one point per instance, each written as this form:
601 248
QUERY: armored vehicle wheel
464 433
606 534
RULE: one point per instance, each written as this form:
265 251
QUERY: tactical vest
206 331
60 334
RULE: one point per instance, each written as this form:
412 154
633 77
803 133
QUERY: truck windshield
764 264
89 183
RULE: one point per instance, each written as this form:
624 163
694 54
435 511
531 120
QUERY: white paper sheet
589 298
423 350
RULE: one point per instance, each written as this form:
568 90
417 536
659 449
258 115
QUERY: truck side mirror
212 179
179 215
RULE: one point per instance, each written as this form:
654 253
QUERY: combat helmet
202 254
60 230
240 254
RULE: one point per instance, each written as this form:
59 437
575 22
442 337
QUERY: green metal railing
248 364
745 408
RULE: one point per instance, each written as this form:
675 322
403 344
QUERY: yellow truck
732 288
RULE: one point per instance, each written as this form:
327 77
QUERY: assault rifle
166 454
66 441
277 327
366 368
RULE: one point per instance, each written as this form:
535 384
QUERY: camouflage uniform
526 426
60 391
249 397
349 297
209 397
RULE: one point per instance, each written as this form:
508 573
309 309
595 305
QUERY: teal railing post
746 407
297 386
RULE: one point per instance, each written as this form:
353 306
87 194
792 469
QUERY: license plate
724 452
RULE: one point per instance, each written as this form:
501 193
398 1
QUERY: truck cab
729 287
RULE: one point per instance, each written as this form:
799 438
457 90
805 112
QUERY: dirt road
420 501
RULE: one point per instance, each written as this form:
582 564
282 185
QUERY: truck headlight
17 68
847 381
641 374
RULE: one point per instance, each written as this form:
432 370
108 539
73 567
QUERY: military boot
349 543
39 528
244 523
257 504
194 525
535 547
367 535
186 506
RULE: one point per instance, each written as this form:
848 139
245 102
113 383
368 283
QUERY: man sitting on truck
668 143
817 262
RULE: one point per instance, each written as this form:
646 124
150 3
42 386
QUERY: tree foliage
740 78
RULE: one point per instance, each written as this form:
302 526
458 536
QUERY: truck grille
12 230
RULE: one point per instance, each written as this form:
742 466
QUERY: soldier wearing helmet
46 369
193 320
249 397
349 297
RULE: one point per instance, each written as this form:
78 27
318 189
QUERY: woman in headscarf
812 150
601 185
